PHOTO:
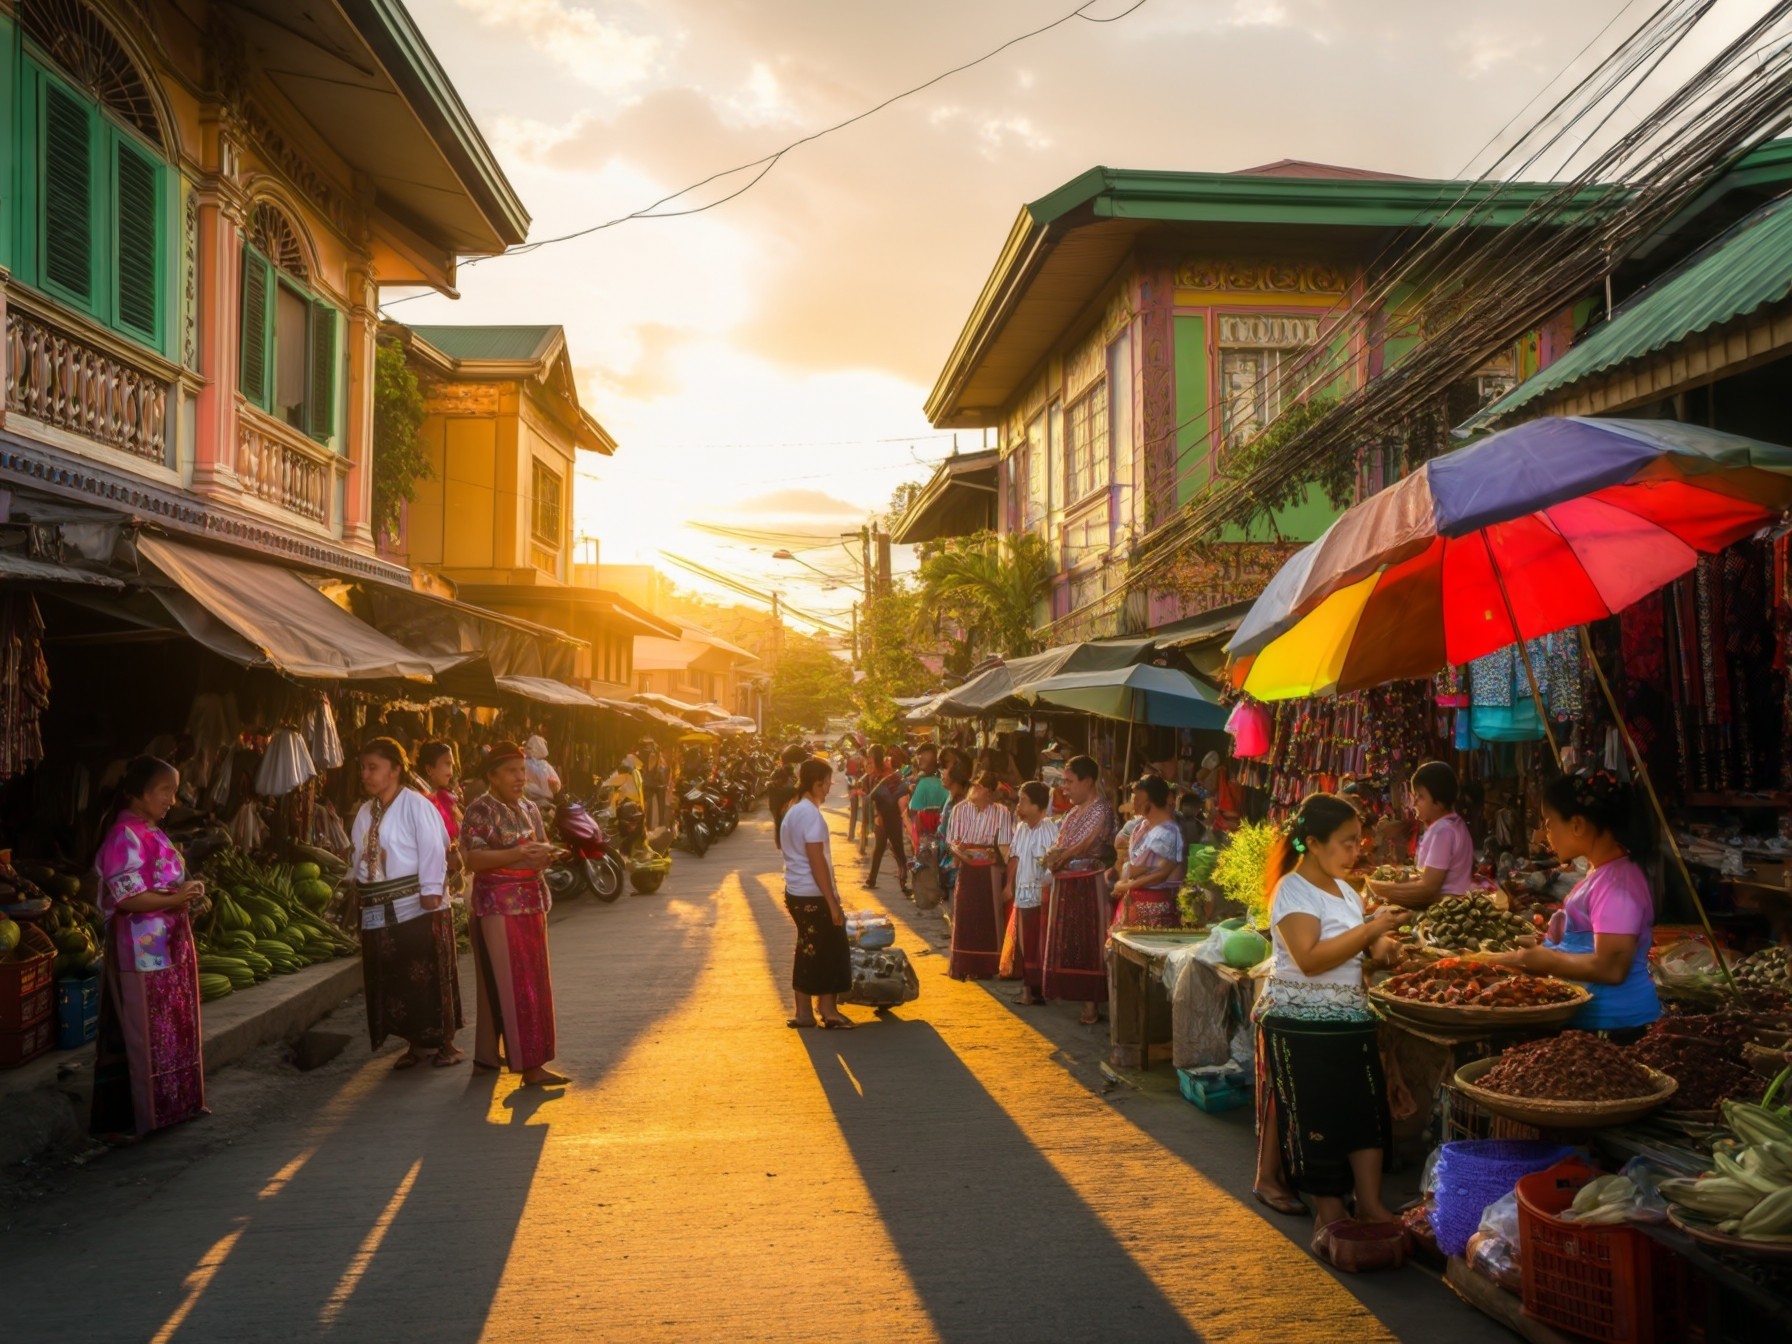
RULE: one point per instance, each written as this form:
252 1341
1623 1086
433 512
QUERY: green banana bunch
1755 1124
213 986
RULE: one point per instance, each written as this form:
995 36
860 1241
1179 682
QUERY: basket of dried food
1706 1054
1463 993
1573 1081
1473 924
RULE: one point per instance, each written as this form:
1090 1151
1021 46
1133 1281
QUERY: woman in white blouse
1154 869
1029 884
1319 1063
409 966
978 835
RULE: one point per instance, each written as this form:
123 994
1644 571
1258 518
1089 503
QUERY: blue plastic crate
1214 1093
77 1011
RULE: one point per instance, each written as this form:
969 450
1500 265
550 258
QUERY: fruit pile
1765 971
1473 924
1748 1193
264 922
1575 1066
73 924
1477 984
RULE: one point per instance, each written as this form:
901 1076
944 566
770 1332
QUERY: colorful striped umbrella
1539 528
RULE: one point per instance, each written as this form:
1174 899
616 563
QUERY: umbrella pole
1642 770
1126 764
1524 652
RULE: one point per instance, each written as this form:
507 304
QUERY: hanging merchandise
321 737
327 831
1251 728
285 765
246 829
225 779
24 683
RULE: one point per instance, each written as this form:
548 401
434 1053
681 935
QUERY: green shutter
137 207
321 399
68 193
258 302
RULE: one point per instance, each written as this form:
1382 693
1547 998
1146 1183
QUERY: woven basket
1472 1017
1474 1173
1547 1114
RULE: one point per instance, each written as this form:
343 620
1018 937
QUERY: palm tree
991 586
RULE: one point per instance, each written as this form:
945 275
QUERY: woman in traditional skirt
1320 1056
1076 930
507 849
148 1072
409 967
823 966
980 829
1029 885
1152 874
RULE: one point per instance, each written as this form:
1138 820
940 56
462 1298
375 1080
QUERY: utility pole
883 563
855 634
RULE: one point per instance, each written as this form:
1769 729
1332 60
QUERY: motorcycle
592 863
696 818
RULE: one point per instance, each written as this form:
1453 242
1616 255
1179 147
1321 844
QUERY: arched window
96 186
289 352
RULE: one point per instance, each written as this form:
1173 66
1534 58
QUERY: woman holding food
1602 933
1319 1058
1446 855
147 1068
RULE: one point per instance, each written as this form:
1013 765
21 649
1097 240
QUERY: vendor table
1141 1010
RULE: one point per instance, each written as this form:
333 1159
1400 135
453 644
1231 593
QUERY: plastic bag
1628 1197
1244 1047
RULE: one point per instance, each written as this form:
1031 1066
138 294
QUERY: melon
306 872
9 935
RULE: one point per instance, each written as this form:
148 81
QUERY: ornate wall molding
189 286
448 398
1260 277
297 169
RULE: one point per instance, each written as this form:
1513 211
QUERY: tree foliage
810 686
399 461
888 659
991 587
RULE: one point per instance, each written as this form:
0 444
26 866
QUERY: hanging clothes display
24 683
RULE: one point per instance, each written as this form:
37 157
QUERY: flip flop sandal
1284 1204
410 1059
442 1061
799 1024
837 1024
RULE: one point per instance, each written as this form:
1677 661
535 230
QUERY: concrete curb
44 1104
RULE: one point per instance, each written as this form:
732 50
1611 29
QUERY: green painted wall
1193 434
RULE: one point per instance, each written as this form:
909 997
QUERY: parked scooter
593 863
697 822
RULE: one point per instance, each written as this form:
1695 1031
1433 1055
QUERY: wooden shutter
137 207
68 193
320 400
258 297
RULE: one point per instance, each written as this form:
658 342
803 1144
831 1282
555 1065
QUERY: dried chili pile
1726 1033
1705 1075
1575 1066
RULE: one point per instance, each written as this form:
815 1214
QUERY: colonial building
205 200
503 434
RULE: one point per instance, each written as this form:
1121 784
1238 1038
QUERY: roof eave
396 43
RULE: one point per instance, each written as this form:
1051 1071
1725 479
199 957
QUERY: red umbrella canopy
1540 528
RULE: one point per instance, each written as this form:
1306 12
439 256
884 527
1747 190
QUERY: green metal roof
515 345
1747 268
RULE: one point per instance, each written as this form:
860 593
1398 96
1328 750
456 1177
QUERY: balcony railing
284 468
67 383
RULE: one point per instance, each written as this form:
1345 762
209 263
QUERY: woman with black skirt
823 968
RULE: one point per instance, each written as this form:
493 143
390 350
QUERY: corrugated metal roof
1745 269
519 344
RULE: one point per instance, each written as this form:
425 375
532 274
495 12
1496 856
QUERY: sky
763 365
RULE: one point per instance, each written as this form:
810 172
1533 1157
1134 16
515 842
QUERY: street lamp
832 582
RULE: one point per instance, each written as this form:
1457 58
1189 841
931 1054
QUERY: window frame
324 429
538 471
1094 473
108 138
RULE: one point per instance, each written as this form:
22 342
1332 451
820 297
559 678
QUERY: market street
953 1172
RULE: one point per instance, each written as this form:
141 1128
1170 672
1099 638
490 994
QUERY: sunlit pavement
950 1172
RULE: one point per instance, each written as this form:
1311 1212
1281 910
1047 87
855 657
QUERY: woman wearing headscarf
409 967
148 1072
507 849
1076 930
543 784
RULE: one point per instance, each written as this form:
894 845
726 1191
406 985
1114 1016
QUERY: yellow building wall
471 489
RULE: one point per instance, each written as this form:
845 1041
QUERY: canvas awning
546 691
984 695
273 618
26 570
958 499
450 633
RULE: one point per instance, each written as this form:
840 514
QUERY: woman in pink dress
148 1072
440 771
507 849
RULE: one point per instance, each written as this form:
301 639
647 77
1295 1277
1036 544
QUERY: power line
766 163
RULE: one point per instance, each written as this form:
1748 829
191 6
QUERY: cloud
593 49
794 504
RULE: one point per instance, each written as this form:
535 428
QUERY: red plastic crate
21 1047
29 1010
25 973
1606 1282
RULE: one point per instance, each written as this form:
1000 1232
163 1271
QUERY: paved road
954 1172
